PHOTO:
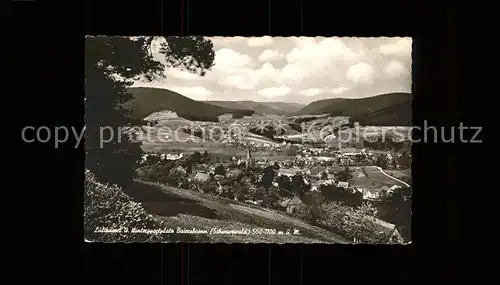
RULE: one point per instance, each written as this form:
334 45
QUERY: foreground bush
155 172
106 206
165 173
352 222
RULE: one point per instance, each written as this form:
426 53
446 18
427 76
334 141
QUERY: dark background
450 234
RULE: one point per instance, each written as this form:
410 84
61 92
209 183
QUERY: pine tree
110 65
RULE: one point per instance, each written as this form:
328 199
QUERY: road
400 181
377 173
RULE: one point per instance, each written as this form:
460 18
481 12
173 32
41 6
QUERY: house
173 156
389 157
385 233
287 172
349 151
371 195
393 188
330 138
343 184
258 202
157 117
226 181
291 204
325 182
389 232
201 177
179 169
224 117
234 173
315 171
218 177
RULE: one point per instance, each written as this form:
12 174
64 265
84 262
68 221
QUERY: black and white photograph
248 139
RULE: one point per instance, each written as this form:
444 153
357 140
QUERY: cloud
274 92
297 69
398 47
312 58
195 93
270 55
327 49
310 91
339 90
361 73
238 81
227 40
228 59
260 41
395 68
181 74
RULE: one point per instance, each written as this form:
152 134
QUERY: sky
295 69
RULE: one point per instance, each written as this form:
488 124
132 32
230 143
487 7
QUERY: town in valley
329 167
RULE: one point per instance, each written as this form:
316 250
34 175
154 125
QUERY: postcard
248 139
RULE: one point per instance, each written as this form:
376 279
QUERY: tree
333 193
177 178
241 191
107 206
382 161
405 160
156 172
324 175
401 199
205 156
284 183
268 175
196 157
111 63
344 175
359 158
353 222
298 185
220 170
276 166
270 197
266 131
210 186
189 167
327 191
400 213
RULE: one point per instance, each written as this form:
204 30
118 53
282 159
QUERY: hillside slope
150 100
270 108
286 107
386 109
259 108
394 115
190 209
318 107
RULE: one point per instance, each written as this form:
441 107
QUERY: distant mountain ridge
271 108
383 110
149 100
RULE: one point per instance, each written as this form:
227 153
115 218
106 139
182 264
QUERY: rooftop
160 115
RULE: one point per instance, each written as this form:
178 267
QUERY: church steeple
249 158
249 154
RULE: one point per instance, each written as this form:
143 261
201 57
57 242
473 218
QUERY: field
370 177
374 173
188 209
399 174
213 149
